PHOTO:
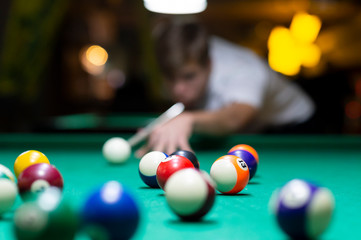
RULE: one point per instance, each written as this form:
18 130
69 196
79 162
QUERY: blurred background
73 65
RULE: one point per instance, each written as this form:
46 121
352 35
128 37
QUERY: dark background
42 78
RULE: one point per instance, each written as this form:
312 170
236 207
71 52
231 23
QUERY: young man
224 87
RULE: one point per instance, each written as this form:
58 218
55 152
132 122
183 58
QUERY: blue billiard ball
302 209
148 167
110 211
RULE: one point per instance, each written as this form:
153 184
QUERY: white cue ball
116 150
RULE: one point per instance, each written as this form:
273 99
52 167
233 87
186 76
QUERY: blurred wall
44 74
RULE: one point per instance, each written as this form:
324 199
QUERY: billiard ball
36 178
50 216
190 193
230 174
148 167
111 210
246 148
303 209
116 150
248 154
189 155
27 159
6 173
8 193
169 166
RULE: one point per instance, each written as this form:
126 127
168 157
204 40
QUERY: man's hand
170 136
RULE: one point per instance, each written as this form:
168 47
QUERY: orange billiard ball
230 173
27 159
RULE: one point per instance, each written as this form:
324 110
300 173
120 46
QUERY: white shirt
239 75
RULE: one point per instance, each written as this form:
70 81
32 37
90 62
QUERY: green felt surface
332 161
90 121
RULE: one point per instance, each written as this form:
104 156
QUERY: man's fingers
142 151
184 145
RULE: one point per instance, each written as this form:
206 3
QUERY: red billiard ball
39 177
169 166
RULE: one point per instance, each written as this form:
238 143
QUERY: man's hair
178 43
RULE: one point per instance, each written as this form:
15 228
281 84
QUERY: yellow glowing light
280 37
96 55
310 55
289 49
284 62
305 27
282 55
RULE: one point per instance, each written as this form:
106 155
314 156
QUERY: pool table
332 161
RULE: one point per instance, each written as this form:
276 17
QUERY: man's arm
175 134
229 119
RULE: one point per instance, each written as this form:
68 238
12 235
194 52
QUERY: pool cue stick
171 113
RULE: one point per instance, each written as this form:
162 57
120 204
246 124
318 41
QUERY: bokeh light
93 59
305 27
310 55
282 56
358 87
353 109
96 55
289 49
116 78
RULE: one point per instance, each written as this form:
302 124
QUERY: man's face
189 84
